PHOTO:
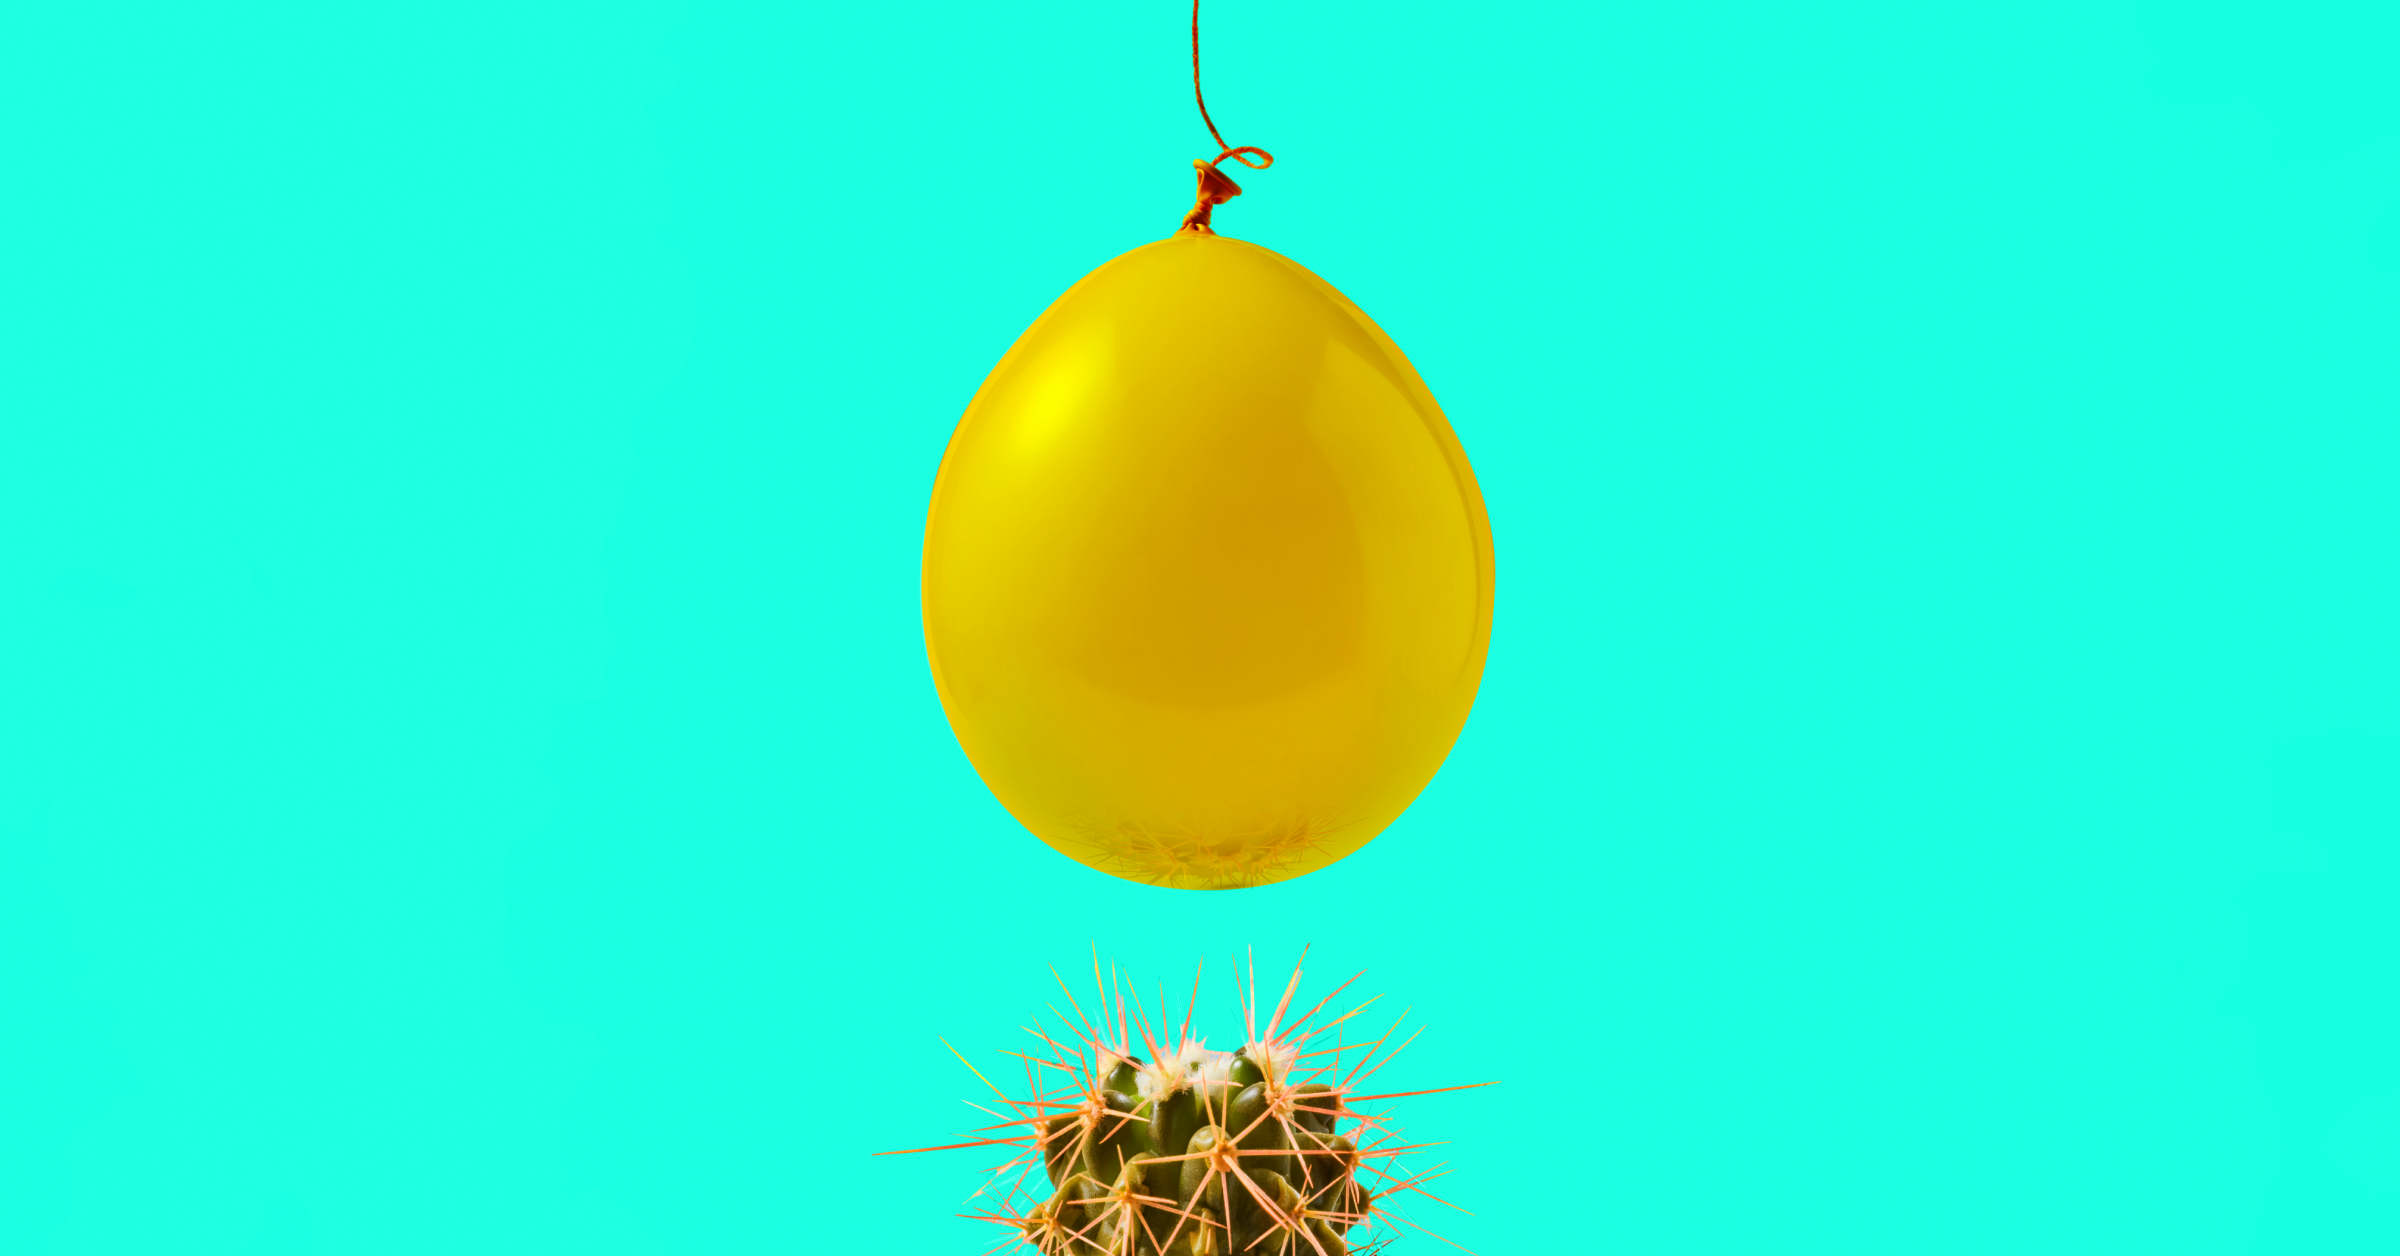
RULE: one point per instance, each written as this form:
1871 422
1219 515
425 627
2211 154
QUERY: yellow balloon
1208 581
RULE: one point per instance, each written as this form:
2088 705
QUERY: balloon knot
1216 188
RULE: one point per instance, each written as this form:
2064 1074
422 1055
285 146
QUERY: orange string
1241 154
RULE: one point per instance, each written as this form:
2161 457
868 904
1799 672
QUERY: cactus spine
1154 1145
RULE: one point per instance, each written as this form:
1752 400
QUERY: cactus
1151 1144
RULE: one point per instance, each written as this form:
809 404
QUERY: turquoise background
470 781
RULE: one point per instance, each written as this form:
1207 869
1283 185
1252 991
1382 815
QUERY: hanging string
1241 154
1215 188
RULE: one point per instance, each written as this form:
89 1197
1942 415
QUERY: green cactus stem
1157 1146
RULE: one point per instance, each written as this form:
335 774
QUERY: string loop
1215 187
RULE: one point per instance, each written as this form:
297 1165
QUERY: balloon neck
1215 190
